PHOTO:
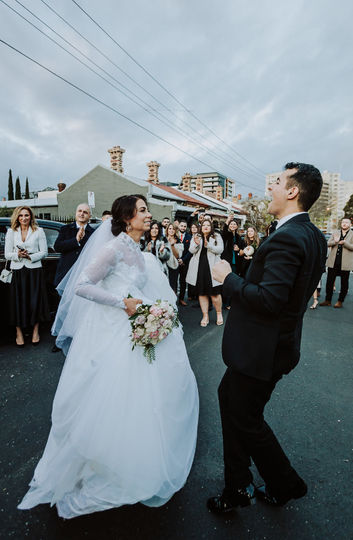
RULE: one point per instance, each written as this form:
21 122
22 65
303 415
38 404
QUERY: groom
261 341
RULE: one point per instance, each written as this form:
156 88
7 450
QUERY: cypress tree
10 195
18 195
27 189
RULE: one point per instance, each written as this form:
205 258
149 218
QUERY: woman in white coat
206 249
25 247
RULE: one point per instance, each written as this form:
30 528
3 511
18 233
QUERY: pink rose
156 311
154 334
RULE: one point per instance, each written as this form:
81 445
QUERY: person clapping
206 249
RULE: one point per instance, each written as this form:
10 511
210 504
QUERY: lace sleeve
103 265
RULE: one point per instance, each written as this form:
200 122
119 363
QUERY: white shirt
287 218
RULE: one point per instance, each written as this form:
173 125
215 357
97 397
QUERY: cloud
270 79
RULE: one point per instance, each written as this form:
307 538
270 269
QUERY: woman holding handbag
25 247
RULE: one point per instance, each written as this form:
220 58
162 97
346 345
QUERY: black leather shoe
226 502
197 305
279 497
55 349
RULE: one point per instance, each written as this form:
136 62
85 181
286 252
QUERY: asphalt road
311 412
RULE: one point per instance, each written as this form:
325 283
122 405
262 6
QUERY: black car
50 263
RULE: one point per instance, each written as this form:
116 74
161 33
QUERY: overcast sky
272 79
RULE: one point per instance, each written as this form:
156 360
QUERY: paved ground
311 413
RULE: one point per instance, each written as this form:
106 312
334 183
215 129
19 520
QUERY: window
47 216
51 235
3 230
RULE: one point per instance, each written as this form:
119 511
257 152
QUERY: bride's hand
131 305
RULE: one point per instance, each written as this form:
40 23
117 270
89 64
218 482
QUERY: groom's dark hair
309 181
123 209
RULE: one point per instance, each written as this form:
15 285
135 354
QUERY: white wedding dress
123 431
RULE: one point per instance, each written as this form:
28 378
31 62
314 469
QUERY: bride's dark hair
123 209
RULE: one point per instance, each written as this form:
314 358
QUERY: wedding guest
233 243
106 214
339 262
315 295
185 238
156 243
197 217
71 240
177 251
194 230
252 242
25 247
165 223
206 249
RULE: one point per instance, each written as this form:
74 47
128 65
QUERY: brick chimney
219 193
239 197
249 195
153 167
116 158
61 186
186 178
199 183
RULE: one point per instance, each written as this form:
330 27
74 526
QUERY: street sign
91 202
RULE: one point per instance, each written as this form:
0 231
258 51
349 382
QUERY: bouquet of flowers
151 324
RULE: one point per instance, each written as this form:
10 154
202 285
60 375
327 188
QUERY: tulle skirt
123 431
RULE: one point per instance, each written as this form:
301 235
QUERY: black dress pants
247 435
331 276
183 270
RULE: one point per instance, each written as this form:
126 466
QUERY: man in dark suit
71 240
184 261
262 338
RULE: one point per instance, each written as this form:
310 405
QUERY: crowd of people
186 251
105 449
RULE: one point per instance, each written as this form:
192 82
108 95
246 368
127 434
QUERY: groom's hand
221 270
131 305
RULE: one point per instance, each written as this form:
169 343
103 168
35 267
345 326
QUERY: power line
177 130
108 106
146 91
161 86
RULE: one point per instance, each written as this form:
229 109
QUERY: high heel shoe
35 343
20 344
315 304
205 320
219 318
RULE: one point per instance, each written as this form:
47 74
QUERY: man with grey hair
70 241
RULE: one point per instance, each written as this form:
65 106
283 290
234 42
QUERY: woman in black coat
233 243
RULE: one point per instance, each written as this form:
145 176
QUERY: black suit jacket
186 253
263 331
67 245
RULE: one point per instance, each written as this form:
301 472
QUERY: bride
123 431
